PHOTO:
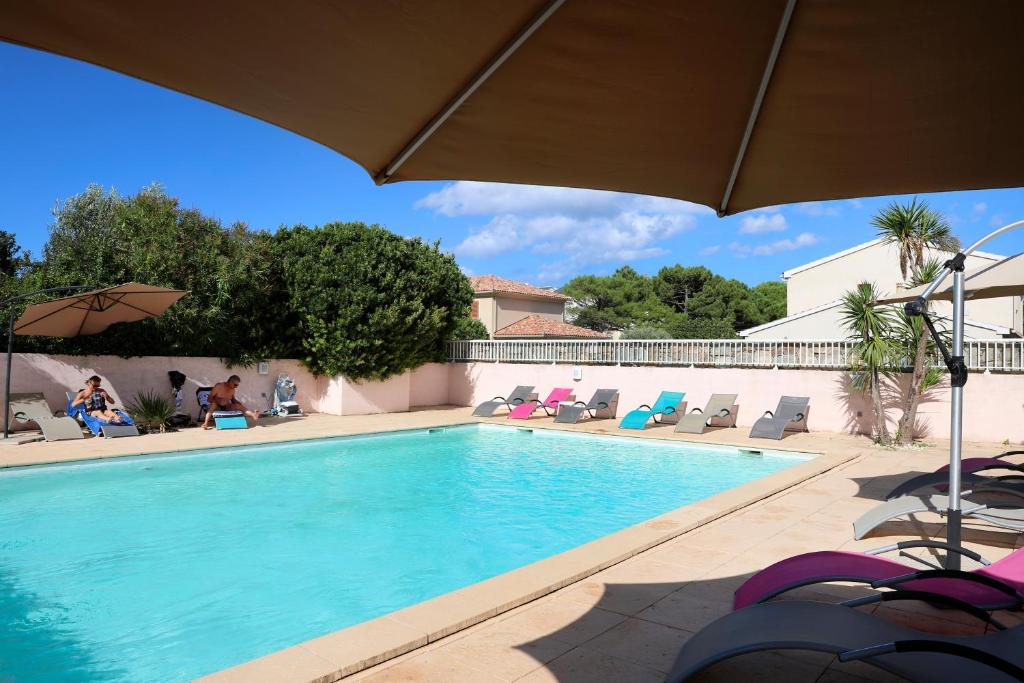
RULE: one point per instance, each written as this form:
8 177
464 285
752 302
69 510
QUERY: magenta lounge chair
994 586
550 404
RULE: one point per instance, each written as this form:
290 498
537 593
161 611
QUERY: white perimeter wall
993 406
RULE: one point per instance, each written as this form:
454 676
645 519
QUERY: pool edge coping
342 653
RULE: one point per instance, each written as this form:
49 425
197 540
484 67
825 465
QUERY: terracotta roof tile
539 326
492 283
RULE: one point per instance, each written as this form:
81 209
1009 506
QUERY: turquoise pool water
165 568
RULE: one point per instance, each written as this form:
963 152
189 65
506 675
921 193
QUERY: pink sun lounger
550 404
995 586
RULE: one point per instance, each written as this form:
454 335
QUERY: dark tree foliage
346 298
689 302
370 303
468 329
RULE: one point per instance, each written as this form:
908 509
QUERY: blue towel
95 424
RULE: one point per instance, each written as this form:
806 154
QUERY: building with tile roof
516 310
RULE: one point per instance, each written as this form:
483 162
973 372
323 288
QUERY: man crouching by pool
222 397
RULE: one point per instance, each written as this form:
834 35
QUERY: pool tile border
342 653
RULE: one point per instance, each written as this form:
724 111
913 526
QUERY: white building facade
814 295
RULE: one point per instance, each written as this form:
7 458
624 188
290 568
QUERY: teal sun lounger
665 410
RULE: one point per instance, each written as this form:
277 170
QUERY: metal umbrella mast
957 375
9 303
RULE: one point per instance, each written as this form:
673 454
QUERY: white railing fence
995 356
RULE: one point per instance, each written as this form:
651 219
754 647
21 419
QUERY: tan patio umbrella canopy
676 98
1005 278
92 312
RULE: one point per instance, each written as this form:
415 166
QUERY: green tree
677 285
467 328
873 350
615 302
644 332
769 300
914 228
370 303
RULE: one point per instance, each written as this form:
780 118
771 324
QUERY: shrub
643 332
468 328
370 303
150 409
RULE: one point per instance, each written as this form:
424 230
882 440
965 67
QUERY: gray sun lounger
857 636
789 416
994 512
602 406
719 412
34 408
1012 484
520 394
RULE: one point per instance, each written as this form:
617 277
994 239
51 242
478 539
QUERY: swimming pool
164 568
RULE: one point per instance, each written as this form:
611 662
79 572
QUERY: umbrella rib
438 120
766 77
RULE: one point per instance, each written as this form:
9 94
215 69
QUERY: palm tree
914 339
915 228
874 349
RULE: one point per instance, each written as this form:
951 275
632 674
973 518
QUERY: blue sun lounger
98 427
668 406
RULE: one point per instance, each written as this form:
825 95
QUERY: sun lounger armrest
768 413
500 398
937 646
973 577
580 403
1008 453
941 545
798 418
941 600
644 405
696 410
600 404
668 410
724 412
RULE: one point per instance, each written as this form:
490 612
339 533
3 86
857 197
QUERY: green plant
645 332
873 351
370 303
150 409
914 228
467 329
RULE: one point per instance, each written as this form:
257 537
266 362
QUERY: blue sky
65 124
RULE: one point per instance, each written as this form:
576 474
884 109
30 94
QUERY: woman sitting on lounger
97 401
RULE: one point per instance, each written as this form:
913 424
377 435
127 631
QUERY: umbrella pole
7 377
956 411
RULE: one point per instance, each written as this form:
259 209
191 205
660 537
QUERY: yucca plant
873 350
150 409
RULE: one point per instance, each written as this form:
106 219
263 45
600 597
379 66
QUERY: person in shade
97 401
222 397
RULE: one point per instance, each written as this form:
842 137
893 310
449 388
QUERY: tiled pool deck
627 621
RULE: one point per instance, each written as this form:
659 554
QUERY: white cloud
583 226
980 207
471 198
708 251
804 239
856 203
998 220
762 222
818 209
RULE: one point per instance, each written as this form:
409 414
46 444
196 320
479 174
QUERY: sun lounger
976 482
997 585
602 406
519 395
104 428
996 512
719 412
666 410
222 419
856 636
550 404
34 408
789 416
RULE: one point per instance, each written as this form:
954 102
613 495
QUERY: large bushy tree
370 303
689 302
